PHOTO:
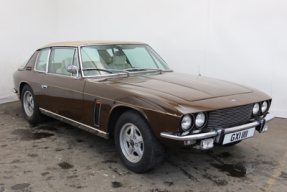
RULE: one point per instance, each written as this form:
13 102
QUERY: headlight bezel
205 120
259 109
267 108
190 126
260 112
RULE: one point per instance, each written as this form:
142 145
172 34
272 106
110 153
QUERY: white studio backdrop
25 25
243 41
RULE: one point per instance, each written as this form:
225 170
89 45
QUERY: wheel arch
116 112
22 84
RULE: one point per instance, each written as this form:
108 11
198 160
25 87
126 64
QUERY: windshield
118 57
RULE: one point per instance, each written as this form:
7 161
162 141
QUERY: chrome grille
230 116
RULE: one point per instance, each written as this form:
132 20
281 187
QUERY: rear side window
42 59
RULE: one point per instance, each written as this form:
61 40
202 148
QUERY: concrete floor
54 156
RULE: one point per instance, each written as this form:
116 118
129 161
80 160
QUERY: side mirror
73 69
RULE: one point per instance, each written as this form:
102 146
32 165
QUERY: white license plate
237 136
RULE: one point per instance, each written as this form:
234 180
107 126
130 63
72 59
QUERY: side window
42 60
76 59
60 58
24 64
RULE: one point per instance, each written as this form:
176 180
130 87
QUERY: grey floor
8 99
54 156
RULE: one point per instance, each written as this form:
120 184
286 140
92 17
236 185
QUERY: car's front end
187 110
223 126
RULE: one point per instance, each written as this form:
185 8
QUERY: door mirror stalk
73 69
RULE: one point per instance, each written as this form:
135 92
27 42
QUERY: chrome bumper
14 90
218 132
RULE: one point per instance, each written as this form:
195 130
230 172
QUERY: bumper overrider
218 133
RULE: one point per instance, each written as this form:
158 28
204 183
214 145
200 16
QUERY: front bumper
218 133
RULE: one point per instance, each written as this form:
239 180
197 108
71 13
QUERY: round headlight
200 119
264 107
186 123
256 108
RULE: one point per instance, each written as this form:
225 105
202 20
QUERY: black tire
35 116
153 150
232 144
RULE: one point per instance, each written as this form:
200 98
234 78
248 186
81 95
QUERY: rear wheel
30 106
136 143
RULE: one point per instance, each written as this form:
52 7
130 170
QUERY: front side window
24 64
119 57
60 58
41 62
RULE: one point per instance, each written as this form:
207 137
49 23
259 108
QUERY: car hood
183 86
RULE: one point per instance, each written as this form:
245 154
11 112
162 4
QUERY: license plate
237 136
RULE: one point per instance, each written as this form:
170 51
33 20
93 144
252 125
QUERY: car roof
77 43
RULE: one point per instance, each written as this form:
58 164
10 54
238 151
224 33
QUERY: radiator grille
230 116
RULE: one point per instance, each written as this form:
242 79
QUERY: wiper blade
140 69
105 70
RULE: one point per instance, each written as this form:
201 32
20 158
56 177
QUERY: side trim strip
76 123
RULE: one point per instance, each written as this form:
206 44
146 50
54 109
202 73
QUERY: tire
232 144
142 152
30 106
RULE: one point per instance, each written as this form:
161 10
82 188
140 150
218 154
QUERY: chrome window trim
47 61
76 123
22 68
116 74
80 59
167 70
59 75
55 46
63 47
84 45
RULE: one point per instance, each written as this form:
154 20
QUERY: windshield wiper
140 69
105 70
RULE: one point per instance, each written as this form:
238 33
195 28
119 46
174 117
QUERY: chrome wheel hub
131 142
28 103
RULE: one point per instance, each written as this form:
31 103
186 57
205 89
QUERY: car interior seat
119 61
63 69
93 64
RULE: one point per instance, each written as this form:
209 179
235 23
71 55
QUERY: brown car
126 91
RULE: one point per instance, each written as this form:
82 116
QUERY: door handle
44 86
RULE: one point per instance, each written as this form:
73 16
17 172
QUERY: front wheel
136 143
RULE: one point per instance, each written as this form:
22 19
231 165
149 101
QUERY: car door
63 92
